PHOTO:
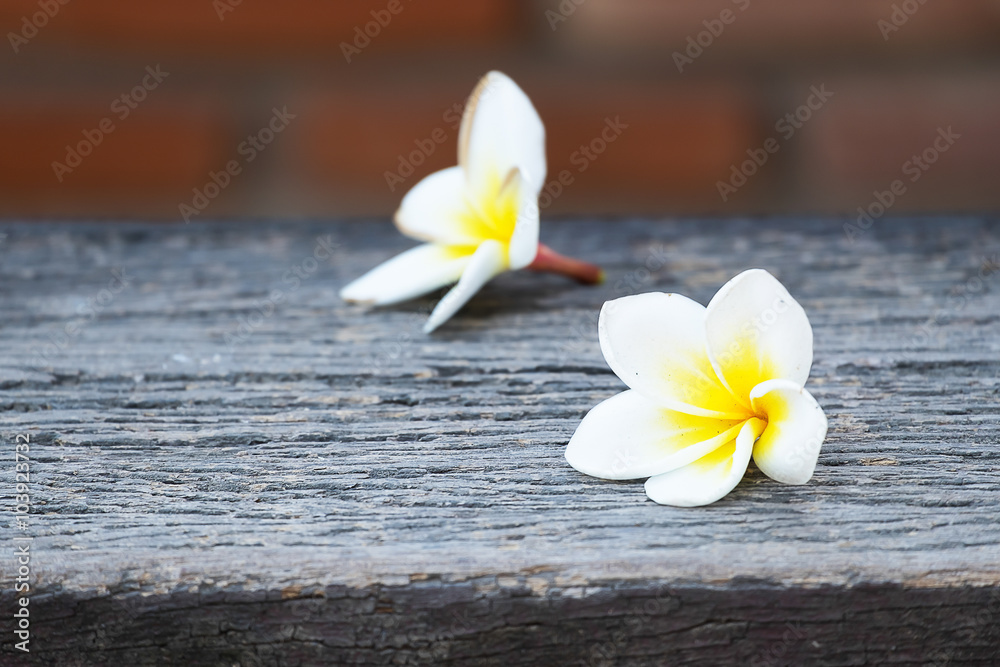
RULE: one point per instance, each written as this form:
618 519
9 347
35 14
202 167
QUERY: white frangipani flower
708 388
479 218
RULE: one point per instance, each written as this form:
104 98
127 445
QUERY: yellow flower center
494 214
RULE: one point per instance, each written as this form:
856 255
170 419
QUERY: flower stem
549 260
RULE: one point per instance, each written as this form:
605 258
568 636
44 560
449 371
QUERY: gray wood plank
219 480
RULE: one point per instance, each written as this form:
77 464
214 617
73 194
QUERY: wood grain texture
231 466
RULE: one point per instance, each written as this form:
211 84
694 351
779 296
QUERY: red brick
675 147
268 27
354 136
772 30
148 162
871 127
679 141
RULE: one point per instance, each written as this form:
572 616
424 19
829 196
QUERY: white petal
756 332
501 131
437 210
627 436
710 477
489 260
796 427
524 240
655 343
407 275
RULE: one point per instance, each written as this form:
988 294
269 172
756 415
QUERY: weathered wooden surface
330 486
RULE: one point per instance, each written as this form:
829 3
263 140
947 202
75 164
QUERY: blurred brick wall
696 88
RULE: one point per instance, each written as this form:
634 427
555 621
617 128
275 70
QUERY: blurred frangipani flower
479 218
708 389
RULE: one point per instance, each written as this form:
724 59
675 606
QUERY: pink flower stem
549 260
